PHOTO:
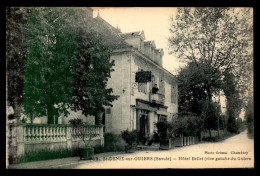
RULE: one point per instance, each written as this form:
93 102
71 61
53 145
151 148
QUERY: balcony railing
157 98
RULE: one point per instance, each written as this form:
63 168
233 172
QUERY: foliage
112 143
249 117
219 37
82 130
92 73
164 129
130 137
194 97
218 139
16 42
76 122
193 90
240 125
56 62
214 41
44 155
24 120
187 124
99 149
212 115
234 102
50 62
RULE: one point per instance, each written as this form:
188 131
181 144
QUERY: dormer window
134 39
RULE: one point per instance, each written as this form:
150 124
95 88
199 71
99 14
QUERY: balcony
157 99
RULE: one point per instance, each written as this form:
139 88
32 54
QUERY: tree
249 117
50 62
192 89
193 96
67 64
187 124
215 40
92 73
233 103
16 40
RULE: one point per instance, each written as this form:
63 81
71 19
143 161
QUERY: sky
153 21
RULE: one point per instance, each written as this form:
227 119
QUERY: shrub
44 155
112 143
163 129
187 124
99 149
130 137
76 122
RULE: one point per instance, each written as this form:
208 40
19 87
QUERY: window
142 87
173 94
162 86
153 82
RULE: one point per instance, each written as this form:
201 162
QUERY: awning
144 105
163 113
145 108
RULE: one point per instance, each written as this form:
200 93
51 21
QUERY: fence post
20 141
12 143
68 137
181 138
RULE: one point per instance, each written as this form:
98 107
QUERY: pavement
60 163
234 152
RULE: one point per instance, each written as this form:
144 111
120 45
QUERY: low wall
35 137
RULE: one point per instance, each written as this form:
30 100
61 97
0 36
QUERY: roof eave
138 53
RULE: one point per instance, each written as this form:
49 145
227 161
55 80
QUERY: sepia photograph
129 87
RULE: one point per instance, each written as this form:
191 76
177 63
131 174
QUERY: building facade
138 107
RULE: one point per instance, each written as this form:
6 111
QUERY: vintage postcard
129 87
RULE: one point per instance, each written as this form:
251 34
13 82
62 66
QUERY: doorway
143 125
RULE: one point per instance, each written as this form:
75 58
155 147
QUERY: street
235 152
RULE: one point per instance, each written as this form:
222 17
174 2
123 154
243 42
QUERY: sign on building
143 76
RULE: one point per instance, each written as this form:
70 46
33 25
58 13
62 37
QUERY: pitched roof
115 39
109 33
133 34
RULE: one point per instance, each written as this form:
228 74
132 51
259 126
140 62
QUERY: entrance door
143 125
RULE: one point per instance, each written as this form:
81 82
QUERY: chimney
158 56
135 39
149 47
